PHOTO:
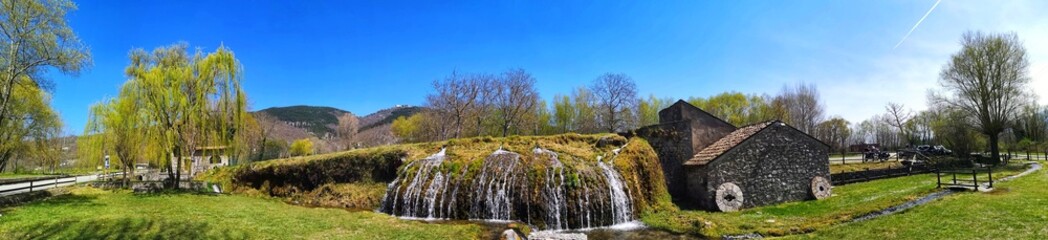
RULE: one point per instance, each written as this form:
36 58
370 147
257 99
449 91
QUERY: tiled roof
726 143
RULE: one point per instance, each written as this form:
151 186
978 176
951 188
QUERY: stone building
203 159
714 165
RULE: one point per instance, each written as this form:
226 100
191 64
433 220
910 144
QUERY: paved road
48 182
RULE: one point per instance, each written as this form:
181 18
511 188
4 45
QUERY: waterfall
543 190
553 191
412 199
494 191
621 203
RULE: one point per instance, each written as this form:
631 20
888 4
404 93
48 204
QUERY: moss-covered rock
559 181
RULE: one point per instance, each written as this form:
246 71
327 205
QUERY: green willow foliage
179 101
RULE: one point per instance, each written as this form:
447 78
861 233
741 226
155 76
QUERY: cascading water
621 203
494 189
540 190
553 191
412 199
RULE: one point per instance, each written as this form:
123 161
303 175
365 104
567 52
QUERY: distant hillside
386 116
320 121
298 122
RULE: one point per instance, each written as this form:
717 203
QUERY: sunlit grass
89 213
1016 209
848 202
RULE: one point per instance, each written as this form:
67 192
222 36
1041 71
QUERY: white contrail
918 24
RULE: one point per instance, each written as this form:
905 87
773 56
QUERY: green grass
852 167
1016 209
19 175
848 202
838 155
89 213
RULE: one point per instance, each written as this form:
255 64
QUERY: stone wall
776 165
683 131
673 146
703 127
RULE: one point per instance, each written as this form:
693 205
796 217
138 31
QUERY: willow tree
987 80
192 99
123 125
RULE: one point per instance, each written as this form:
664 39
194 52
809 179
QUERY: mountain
386 116
320 121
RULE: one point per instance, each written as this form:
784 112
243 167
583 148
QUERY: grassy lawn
1017 209
18 175
852 167
89 213
838 155
849 201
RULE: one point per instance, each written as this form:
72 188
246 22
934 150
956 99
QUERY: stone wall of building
705 129
776 165
683 131
673 146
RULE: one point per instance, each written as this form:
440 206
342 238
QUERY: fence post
989 172
30 185
938 179
975 179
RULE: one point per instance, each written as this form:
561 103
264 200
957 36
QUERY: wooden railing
38 184
964 179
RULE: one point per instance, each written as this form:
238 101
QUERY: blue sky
363 56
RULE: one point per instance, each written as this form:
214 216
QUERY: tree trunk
127 177
178 168
3 160
127 182
170 173
995 151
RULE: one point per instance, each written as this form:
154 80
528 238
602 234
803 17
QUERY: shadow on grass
124 228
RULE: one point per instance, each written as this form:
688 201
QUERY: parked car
875 155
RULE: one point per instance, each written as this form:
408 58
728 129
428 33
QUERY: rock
744 236
509 234
729 197
821 187
556 236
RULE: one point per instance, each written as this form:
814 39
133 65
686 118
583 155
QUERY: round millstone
729 197
820 187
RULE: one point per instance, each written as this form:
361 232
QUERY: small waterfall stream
540 190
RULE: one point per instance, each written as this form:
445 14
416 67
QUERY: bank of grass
848 202
1016 209
89 213
13 176
853 167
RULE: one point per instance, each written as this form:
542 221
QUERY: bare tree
455 98
515 97
988 81
266 125
615 94
347 130
897 117
835 132
799 106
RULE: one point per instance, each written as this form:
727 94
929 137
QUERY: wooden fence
37 184
874 174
